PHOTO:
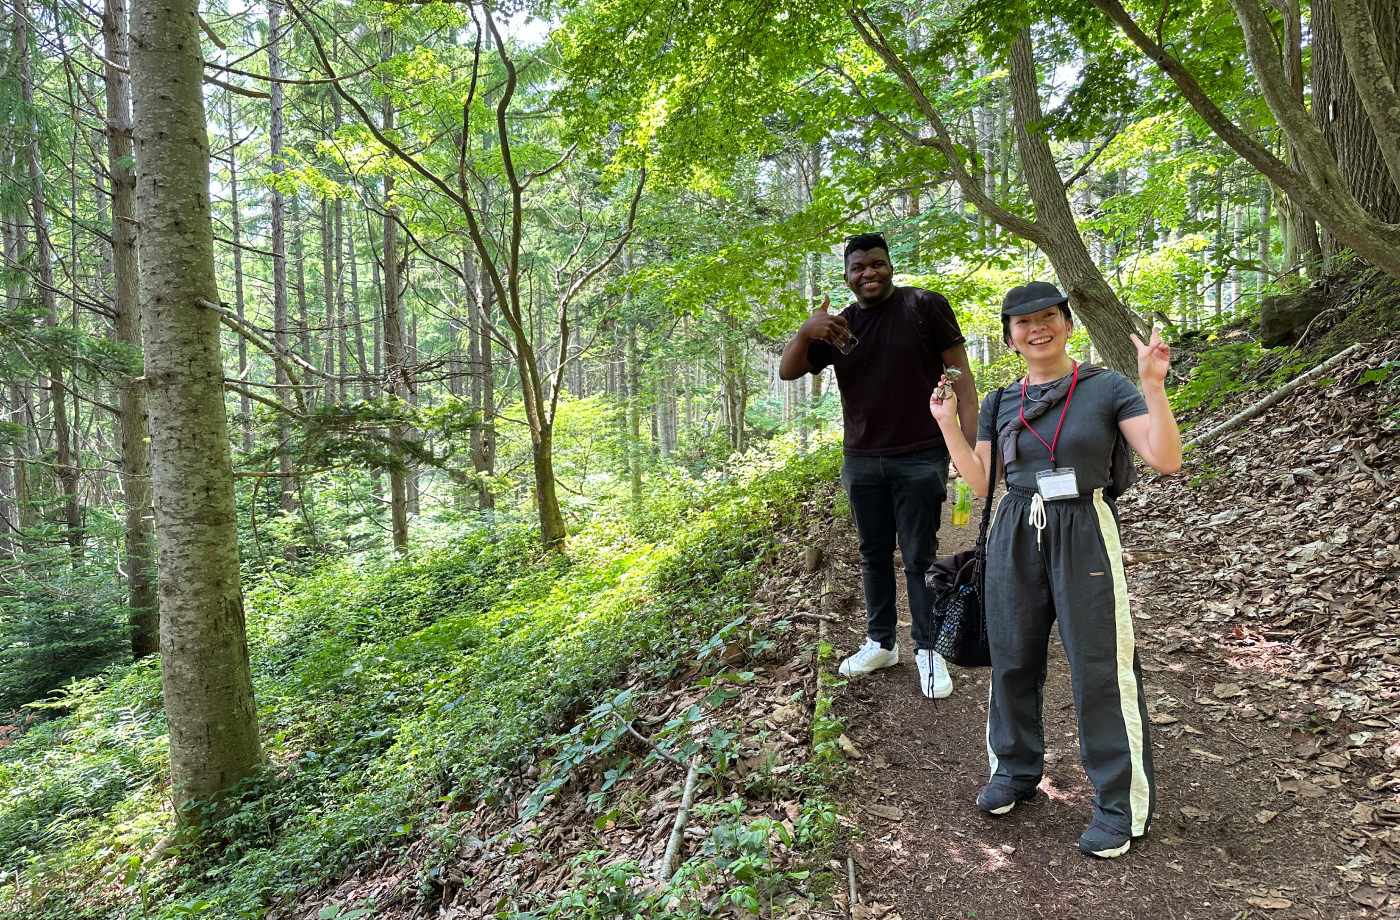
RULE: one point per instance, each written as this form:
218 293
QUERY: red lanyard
1068 396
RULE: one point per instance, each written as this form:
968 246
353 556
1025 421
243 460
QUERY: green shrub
1217 378
384 689
64 619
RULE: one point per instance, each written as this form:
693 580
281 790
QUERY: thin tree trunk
303 311
135 459
14 242
634 417
393 327
281 320
483 441
330 286
9 512
376 327
411 481
1217 259
350 313
245 405
64 458
1265 255
206 681
1109 323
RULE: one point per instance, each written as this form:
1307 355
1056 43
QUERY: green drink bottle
962 509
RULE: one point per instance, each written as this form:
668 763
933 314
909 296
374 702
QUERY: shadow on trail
1227 839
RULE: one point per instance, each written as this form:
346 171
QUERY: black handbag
959 621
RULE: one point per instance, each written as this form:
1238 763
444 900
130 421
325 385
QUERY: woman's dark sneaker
996 799
1103 841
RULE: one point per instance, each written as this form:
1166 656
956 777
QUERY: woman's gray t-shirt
1086 441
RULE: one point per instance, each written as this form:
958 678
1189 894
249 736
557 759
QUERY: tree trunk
207 684
9 464
634 417
1265 254
25 450
393 328
15 498
988 143
1306 251
376 318
303 309
411 475
483 382
1109 323
1340 115
330 283
245 405
281 320
734 381
64 459
1216 267
135 459
687 380
632 373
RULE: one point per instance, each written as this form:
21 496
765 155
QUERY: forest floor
1265 583
1267 619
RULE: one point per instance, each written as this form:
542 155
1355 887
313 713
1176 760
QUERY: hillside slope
1266 589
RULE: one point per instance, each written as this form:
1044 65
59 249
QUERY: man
889 349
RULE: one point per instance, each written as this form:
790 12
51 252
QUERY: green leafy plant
390 686
1217 378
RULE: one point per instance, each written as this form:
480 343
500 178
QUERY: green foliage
64 619
1217 378
733 868
1382 373
826 726
386 688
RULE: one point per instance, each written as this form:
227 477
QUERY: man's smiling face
869 275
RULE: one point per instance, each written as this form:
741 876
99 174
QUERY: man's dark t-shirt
889 375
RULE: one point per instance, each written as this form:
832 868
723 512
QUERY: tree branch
942 141
1084 167
1253 411
1318 188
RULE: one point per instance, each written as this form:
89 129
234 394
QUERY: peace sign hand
1153 358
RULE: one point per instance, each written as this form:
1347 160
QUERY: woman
1053 554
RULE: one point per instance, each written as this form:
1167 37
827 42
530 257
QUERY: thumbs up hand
822 326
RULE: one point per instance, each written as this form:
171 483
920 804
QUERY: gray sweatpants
1073 576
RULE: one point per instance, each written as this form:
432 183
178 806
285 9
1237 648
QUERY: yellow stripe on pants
1128 691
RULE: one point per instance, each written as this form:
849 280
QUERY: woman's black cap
1032 298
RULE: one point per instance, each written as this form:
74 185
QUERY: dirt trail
1265 583
1229 839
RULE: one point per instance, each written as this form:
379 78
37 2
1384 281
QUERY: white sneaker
869 657
933 674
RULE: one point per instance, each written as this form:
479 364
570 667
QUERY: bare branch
942 141
237 90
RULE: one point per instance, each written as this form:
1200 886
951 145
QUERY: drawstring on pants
1037 516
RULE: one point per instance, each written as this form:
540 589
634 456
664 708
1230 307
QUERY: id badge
1057 483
